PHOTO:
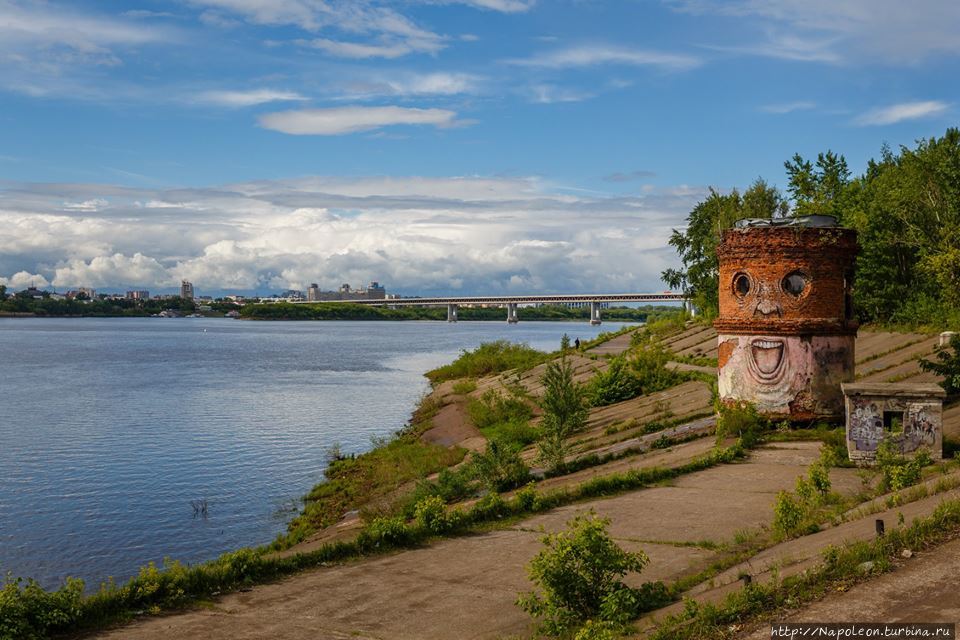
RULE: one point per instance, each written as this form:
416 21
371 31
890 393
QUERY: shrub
489 507
488 358
649 366
788 515
388 531
431 515
897 471
616 384
463 387
579 570
493 408
740 420
28 611
527 499
500 467
599 630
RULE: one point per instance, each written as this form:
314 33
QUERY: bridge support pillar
512 312
594 313
452 312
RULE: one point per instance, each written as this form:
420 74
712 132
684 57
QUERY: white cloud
549 94
504 6
902 111
394 49
416 234
248 98
22 279
95 204
593 55
867 31
337 121
788 107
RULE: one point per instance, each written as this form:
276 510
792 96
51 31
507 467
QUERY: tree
947 364
500 467
817 189
565 412
697 244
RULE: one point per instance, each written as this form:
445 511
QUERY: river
109 428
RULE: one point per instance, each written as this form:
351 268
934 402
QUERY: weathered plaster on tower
786 327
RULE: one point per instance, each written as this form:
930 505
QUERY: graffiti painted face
765 298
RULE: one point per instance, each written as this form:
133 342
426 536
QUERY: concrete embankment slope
466 587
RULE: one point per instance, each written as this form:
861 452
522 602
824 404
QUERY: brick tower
786 328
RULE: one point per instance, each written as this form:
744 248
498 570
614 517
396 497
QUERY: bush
649 366
488 358
500 467
789 515
387 531
740 420
28 611
431 515
897 471
616 384
577 573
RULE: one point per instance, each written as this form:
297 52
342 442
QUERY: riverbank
650 451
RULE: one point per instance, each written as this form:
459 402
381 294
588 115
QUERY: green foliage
500 467
905 207
494 408
487 359
649 366
697 244
615 384
897 471
797 513
48 306
28 611
391 531
564 343
354 481
947 364
599 630
579 577
740 420
431 515
788 514
465 386
565 412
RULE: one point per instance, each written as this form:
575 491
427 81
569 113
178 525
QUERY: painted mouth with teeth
767 357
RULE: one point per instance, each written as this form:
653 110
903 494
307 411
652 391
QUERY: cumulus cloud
594 55
417 234
903 111
341 120
23 279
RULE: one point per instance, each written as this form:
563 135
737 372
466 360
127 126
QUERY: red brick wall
764 256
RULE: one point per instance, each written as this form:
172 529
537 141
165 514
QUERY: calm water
110 427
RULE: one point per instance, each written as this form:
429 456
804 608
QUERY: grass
841 568
465 386
487 359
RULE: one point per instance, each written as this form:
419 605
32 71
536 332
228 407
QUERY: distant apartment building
186 290
84 293
373 291
138 295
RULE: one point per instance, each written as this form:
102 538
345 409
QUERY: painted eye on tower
741 284
794 283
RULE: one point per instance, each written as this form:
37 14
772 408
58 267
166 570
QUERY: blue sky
439 146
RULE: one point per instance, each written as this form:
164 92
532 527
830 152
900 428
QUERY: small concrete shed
908 414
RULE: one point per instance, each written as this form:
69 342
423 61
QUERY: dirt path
466 587
924 589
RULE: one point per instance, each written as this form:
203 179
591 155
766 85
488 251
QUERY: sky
436 146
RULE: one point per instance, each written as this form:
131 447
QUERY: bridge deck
586 297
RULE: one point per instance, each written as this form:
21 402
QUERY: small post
880 528
945 338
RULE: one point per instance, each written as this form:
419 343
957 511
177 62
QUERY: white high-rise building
186 290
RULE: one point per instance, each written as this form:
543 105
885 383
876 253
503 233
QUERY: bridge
511 302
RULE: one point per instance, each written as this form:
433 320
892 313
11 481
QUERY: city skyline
458 146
